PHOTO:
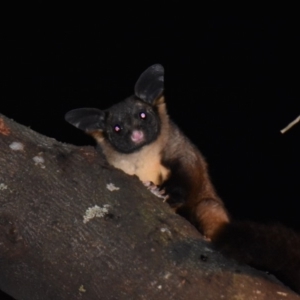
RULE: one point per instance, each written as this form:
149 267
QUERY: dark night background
231 84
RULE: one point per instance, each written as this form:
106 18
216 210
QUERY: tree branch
73 227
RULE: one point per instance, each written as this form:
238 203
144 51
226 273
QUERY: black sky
231 85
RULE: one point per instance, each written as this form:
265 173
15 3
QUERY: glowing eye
143 115
117 128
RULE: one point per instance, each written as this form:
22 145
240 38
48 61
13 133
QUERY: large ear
150 84
86 119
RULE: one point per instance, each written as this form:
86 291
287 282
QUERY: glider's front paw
154 189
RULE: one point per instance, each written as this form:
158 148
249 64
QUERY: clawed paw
154 189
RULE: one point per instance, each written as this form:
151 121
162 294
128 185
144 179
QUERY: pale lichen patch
82 289
166 230
95 212
16 146
3 187
39 161
111 187
208 249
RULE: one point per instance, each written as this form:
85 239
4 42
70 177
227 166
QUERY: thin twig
289 126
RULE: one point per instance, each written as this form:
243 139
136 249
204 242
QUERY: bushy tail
272 248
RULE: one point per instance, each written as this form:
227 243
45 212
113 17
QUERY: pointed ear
86 119
150 85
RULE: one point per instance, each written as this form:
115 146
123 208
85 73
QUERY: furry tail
272 248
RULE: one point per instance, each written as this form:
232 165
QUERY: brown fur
204 208
153 163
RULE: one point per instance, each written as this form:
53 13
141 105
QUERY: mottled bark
72 227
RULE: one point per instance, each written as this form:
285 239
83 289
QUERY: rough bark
135 247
